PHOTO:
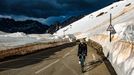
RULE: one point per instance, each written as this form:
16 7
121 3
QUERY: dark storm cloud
46 8
36 8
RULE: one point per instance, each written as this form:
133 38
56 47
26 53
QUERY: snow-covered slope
97 18
11 40
94 26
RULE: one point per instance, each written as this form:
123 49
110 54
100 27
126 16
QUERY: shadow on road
91 65
15 62
98 47
109 67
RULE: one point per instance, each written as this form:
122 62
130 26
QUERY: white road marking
47 66
68 53
44 68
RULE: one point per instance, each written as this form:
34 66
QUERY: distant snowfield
94 25
13 40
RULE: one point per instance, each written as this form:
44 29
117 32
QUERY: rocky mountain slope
28 26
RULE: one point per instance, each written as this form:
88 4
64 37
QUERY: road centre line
68 53
44 68
47 66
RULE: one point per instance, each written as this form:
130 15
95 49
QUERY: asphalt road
61 60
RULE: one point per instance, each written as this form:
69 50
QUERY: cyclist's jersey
82 49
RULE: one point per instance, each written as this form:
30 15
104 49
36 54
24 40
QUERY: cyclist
82 50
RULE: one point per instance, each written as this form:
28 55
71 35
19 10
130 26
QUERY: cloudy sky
23 9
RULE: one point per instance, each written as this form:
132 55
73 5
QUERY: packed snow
11 40
120 50
94 26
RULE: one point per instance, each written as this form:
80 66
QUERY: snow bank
34 47
17 39
120 50
19 43
44 36
17 34
93 26
13 40
70 37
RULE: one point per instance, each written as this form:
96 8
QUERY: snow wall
120 51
